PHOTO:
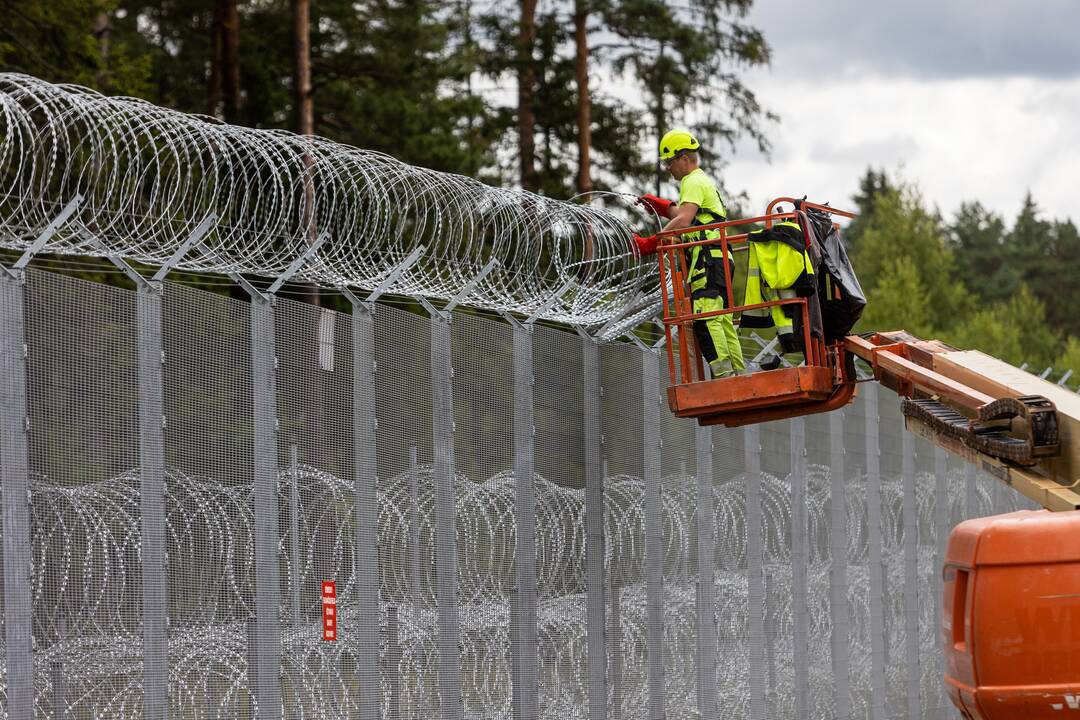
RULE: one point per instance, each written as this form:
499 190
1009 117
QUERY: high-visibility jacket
778 268
706 269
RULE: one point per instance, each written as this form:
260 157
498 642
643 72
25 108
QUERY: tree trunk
230 23
305 108
213 85
660 115
102 28
305 119
584 108
526 96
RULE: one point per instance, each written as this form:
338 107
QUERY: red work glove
659 204
645 245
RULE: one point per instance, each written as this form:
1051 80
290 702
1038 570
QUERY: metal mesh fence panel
624 529
559 421
85 517
784 570
407 504
209 420
490 595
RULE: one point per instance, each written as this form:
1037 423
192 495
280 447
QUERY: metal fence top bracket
193 239
395 273
470 286
549 302
39 243
298 263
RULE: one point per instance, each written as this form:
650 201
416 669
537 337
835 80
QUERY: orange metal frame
823 383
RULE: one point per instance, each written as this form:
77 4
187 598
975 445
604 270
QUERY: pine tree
687 59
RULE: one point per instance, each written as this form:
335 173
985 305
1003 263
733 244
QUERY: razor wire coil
149 176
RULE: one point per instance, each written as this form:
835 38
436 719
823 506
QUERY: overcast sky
968 99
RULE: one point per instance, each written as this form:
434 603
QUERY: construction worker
699 204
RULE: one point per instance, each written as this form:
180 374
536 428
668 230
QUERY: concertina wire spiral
149 176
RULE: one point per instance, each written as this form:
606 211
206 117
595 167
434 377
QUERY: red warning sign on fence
329 610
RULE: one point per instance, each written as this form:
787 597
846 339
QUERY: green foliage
69 41
686 60
973 281
900 235
389 77
1015 331
899 301
1069 359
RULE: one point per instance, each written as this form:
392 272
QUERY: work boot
721 369
772 362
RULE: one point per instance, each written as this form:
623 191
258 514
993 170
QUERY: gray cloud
921 38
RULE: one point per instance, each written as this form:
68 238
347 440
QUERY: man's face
678 166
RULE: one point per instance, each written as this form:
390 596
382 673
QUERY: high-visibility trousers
716 337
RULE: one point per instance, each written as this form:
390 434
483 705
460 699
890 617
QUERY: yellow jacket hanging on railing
778 268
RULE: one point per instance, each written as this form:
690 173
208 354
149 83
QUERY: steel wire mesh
86 537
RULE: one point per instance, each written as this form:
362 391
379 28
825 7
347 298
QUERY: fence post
654 541
838 579
616 647
393 662
755 572
267 636
874 542
799 562
15 474
941 526
525 521
911 575
366 511
596 628
155 599
15 465
442 416
706 595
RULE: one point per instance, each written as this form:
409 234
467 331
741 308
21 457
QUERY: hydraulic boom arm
1016 427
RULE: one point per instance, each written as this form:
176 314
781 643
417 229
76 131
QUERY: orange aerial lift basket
825 381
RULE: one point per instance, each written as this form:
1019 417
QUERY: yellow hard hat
675 141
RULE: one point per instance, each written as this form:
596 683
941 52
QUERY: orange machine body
1012 616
